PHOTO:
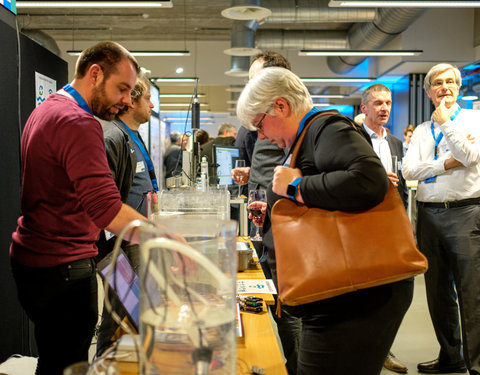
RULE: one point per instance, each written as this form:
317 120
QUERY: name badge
288 161
140 167
108 234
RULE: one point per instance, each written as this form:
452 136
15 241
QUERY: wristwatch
293 187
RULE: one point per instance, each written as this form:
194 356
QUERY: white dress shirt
450 185
381 148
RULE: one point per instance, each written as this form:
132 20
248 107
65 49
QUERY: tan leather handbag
322 254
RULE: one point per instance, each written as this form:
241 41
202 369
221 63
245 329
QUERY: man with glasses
444 156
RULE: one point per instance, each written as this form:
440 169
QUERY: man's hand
393 177
451 163
282 177
442 114
241 175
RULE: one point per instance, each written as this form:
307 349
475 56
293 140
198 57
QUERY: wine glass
240 164
254 197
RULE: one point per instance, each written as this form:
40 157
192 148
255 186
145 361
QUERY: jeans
61 302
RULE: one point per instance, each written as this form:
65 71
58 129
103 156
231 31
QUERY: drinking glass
394 165
240 164
256 195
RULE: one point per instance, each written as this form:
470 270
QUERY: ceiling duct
43 39
243 39
314 11
301 39
246 10
239 66
389 23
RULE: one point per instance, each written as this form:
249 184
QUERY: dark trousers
450 239
61 302
353 333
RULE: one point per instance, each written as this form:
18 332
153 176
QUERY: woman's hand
282 177
255 207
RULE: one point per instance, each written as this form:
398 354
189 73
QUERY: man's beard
100 108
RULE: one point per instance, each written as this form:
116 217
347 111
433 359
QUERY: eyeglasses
259 125
437 84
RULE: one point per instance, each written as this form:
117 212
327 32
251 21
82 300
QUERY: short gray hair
378 87
262 90
225 128
440 68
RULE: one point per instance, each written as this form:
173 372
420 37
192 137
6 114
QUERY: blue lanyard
437 141
139 143
300 129
76 95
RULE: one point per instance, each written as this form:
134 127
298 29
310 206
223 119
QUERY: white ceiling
197 25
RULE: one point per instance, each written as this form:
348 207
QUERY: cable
19 96
108 306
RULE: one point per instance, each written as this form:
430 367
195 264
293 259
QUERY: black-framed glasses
259 125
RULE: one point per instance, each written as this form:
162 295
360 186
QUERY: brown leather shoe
393 364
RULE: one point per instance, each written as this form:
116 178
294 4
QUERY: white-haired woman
336 169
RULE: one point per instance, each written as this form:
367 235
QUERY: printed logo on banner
10 5
44 87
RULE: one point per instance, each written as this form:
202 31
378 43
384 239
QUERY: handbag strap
301 137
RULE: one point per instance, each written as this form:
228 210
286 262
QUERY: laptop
125 283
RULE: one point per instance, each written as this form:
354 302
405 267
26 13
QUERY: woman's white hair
440 68
261 91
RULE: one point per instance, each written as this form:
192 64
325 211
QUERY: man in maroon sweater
68 196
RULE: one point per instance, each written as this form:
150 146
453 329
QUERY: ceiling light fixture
339 52
174 80
95 4
328 96
143 53
337 80
403 3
